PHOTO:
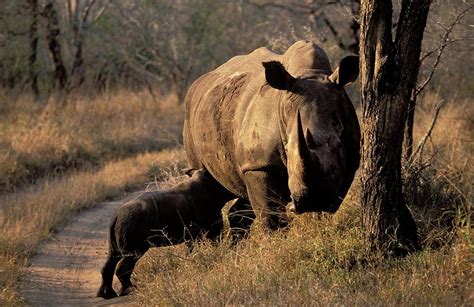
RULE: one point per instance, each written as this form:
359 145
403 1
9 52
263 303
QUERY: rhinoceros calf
184 212
276 129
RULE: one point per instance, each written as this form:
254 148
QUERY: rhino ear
347 71
277 76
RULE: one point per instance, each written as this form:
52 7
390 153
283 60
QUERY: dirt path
65 271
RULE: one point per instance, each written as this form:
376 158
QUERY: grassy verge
29 216
322 260
39 139
318 262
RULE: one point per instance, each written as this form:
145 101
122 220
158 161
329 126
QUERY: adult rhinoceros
276 136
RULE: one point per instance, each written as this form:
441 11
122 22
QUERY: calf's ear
347 71
277 76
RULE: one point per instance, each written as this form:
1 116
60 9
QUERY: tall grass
40 139
318 262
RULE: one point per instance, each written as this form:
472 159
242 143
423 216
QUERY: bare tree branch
445 42
419 148
99 14
335 33
315 9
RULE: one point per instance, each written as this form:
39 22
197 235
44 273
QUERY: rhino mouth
299 205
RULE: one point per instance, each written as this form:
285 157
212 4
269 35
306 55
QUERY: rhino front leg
266 199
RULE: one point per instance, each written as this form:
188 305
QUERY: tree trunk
52 27
78 71
77 75
33 37
408 137
389 69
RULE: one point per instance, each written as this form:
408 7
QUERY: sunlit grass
40 139
323 260
320 260
307 265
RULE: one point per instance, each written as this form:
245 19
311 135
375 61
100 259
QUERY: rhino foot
106 292
126 290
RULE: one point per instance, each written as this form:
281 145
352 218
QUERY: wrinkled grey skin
276 130
186 212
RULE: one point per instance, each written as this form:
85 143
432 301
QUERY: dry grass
76 154
40 139
322 260
30 215
444 174
318 262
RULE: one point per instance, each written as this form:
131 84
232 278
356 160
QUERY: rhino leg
241 217
124 272
106 290
265 194
214 233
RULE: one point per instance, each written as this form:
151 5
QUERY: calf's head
312 113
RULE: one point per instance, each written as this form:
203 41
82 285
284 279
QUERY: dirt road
66 269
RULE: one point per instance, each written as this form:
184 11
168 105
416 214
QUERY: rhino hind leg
241 217
124 272
106 289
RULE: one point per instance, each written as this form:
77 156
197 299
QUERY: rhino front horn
303 149
310 159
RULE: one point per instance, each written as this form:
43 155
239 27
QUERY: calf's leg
106 290
216 229
241 217
124 273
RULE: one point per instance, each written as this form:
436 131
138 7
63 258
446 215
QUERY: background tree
81 16
33 37
447 37
389 69
164 45
54 44
323 19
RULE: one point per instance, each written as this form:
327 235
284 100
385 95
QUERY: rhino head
312 126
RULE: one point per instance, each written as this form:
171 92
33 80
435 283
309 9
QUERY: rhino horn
310 159
303 149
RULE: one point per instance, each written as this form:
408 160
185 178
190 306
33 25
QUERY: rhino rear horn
277 76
